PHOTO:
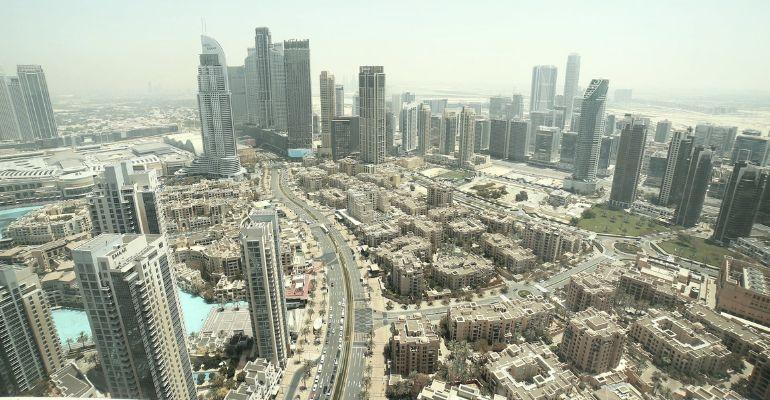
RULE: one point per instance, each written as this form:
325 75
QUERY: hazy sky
94 47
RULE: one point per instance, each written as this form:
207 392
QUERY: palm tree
69 343
82 338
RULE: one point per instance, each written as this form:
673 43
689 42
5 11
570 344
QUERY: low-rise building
425 228
407 275
743 290
736 335
440 390
414 346
502 322
550 241
497 222
52 222
71 382
506 253
262 382
439 195
375 234
529 371
464 232
672 340
61 288
455 272
759 381
592 342
594 289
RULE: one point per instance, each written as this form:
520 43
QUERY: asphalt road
345 342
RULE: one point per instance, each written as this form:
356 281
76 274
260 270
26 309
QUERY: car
315 387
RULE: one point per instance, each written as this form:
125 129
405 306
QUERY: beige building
759 381
498 222
407 275
414 346
455 272
375 234
50 223
464 232
529 371
592 342
439 195
672 340
506 253
735 335
744 290
440 390
501 322
30 350
592 289
420 226
549 241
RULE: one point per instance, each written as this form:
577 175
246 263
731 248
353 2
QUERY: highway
344 345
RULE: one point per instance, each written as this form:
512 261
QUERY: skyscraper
753 149
498 106
278 88
547 140
567 150
499 135
299 104
371 89
448 132
220 156
345 137
481 136
696 185
571 80
328 104
339 100
408 126
260 249
252 83
466 129
589 136
677 165
262 45
720 138
628 167
517 106
662 129
236 80
543 88
129 294
14 119
518 144
423 128
35 90
740 202
30 349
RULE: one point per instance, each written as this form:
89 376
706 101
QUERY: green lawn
455 174
524 293
617 222
697 249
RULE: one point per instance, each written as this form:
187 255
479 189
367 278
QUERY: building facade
371 89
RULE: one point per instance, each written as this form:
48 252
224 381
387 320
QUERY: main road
345 345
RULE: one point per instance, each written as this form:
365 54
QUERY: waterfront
12 214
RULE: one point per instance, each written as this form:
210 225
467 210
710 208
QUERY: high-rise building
740 202
261 255
408 126
339 100
517 106
466 130
481 138
262 45
608 154
590 132
278 88
30 350
236 79
547 140
753 149
567 150
695 187
299 105
677 165
662 129
220 155
129 294
344 137
252 82
448 132
14 119
125 201
499 135
498 107
327 93
371 89
390 133
628 167
423 128
543 88
571 81
518 144
610 124
719 138
35 90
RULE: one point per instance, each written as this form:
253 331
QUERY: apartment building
595 289
592 342
529 371
743 290
414 346
455 272
506 253
501 322
549 241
